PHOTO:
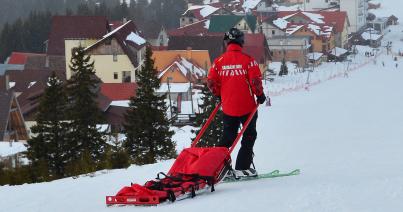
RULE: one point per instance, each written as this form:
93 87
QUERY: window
126 76
273 32
115 57
115 75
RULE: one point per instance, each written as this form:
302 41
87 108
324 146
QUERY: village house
182 70
116 56
197 13
357 11
273 27
257 5
222 23
212 43
156 35
116 103
337 20
163 59
293 49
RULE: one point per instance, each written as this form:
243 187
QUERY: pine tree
283 69
213 134
147 125
46 148
87 143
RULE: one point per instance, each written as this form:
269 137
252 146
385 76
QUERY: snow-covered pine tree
283 69
46 148
87 144
147 125
213 134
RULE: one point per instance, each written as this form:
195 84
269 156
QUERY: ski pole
243 129
206 125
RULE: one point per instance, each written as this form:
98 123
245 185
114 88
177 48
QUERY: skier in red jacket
236 78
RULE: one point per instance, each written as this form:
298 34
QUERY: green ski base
273 174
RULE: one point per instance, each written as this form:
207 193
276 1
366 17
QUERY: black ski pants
231 126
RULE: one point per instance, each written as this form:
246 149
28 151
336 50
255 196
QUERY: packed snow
174 88
7 149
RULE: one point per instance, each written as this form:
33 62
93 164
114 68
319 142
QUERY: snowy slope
345 134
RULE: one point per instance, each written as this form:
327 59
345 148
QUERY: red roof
20 58
75 27
255 46
335 18
118 91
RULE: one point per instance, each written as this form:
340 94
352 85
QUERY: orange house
182 70
322 36
162 59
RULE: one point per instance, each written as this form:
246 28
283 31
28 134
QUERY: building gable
75 27
12 125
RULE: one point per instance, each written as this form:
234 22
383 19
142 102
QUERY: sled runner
194 170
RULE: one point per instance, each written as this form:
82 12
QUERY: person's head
235 36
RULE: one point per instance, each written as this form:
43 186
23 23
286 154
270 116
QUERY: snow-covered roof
120 103
186 67
250 4
135 38
7 150
321 30
317 18
292 29
287 8
338 51
31 84
370 36
174 88
280 23
207 24
11 84
314 55
204 10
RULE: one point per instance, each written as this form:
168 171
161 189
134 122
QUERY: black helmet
234 35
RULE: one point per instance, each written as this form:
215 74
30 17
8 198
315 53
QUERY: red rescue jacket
236 78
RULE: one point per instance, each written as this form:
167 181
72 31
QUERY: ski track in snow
346 136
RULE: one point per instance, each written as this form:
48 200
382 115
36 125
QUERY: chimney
124 20
189 53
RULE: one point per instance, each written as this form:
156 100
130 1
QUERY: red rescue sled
194 170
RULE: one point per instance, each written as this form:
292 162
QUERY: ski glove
261 99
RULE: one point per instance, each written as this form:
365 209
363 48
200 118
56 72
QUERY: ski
273 174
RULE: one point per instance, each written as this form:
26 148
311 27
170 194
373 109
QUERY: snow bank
6 149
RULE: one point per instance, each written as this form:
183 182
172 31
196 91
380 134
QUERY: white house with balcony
357 11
